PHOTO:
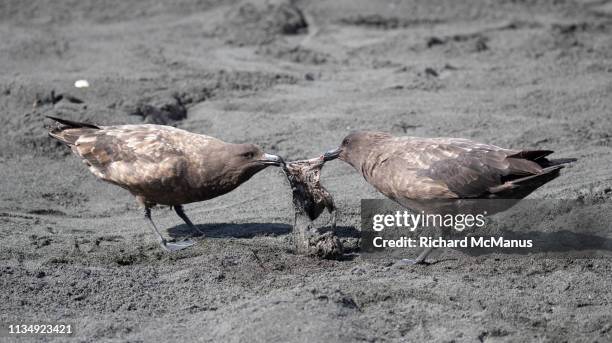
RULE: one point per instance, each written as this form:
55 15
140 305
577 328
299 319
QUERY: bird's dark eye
248 155
345 141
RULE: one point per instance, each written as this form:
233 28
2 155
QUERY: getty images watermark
458 222
552 228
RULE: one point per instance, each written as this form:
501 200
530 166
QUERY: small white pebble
81 84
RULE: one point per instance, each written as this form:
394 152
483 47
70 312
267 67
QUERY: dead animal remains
310 199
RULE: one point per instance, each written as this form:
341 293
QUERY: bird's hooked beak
269 159
332 154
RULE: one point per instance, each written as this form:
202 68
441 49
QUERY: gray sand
534 74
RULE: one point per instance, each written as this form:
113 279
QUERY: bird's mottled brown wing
141 158
467 168
469 173
443 167
395 166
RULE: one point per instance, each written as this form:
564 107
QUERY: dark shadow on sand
250 230
343 231
221 230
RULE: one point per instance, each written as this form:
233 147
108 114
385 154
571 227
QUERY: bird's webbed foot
176 246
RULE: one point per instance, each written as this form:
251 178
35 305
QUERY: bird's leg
162 241
152 225
422 256
420 259
179 210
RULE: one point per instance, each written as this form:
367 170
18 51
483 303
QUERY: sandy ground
294 78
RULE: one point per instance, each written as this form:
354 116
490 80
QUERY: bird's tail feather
539 157
68 131
544 176
546 163
73 124
523 186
